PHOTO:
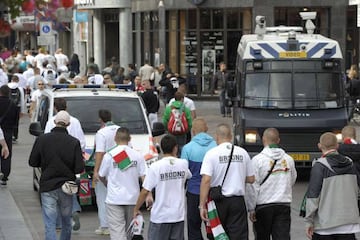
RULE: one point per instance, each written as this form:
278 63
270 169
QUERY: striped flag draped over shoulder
121 158
215 224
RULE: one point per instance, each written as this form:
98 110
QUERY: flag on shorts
121 158
215 224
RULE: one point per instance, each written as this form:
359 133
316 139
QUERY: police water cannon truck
289 80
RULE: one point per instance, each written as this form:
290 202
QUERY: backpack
15 96
178 124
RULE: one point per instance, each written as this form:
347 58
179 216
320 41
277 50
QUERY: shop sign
45 40
84 2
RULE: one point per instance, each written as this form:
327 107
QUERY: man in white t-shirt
61 59
120 171
104 140
231 209
168 176
35 96
40 58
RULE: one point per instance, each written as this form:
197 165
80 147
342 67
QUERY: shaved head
271 136
348 132
328 141
223 133
199 125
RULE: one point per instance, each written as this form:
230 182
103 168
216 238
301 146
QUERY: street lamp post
162 37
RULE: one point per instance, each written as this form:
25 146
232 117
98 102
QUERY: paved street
26 200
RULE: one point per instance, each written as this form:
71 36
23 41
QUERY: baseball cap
62 117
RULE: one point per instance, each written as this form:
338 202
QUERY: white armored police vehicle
289 80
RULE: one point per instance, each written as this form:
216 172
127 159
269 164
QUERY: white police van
84 102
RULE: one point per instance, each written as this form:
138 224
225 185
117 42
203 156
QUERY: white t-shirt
123 186
96 79
39 59
32 81
36 95
188 103
61 60
74 129
28 73
105 137
215 164
168 176
3 78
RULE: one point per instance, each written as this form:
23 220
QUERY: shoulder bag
216 192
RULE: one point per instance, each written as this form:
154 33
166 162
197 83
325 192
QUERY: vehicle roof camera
308 17
260 28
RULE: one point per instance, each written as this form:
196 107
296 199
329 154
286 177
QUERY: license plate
300 157
293 54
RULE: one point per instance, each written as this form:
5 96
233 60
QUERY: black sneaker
3 182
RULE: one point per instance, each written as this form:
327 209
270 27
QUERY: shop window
205 19
191 19
233 19
154 23
218 19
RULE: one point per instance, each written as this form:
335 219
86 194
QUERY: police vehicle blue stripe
269 49
330 55
316 49
283 46
256 56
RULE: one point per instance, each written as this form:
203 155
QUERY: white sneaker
102 231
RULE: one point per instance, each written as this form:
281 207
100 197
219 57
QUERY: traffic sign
46 28
45 40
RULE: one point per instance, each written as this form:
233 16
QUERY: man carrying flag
167 176
120 171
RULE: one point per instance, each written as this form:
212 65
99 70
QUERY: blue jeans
76 208
50 201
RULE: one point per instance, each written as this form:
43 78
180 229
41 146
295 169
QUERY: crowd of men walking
199 178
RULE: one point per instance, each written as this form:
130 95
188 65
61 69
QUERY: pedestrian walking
219 82
177 119
189 103
167 176
271 194
151 101
120 171
17 95
60 157
351 148
104 140
231 208
194 153
8 119
75 130
331 208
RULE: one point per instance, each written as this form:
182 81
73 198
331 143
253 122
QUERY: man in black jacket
351 148
8 118
60 157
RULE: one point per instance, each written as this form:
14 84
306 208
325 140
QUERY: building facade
190 36
193 36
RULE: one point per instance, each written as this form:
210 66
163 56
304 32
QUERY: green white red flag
121 158
215 224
